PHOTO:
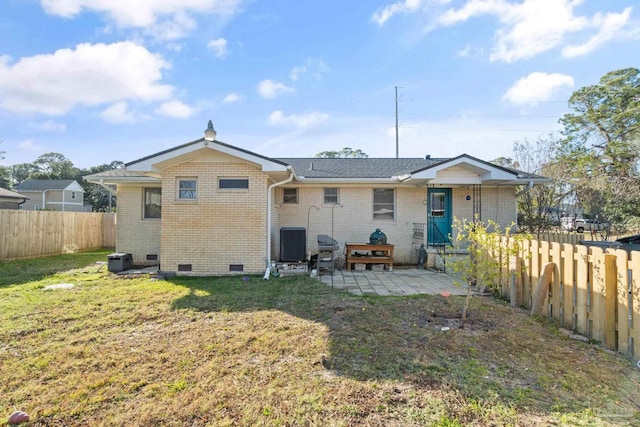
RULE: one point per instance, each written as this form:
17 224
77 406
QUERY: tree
600 151
538 207
345 153
5 173
99 197
480 257
53 166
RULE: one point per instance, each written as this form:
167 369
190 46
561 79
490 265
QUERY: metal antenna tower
396 122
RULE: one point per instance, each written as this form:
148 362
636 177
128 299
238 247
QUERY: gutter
529 187
267 258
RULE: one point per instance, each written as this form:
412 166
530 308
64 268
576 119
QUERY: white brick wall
224 227
135 235
354 221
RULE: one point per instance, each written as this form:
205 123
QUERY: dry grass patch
224 351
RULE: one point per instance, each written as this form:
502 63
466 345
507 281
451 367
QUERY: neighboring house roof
49 184
7 194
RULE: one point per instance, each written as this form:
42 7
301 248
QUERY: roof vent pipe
311 166
210 132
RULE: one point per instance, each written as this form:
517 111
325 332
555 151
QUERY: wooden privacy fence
32 234
573 238
592 291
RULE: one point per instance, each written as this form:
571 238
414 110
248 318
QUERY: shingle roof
314 167
10 194
365 168
115 173
44 184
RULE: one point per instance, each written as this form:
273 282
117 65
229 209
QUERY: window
290 195
73 195
331 195
233 183
187 189
437 205
152 203
384 204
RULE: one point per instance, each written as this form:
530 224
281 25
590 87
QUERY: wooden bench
386 257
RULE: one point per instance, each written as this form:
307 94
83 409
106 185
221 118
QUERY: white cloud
176 109
531 27
219 47
30 146
162 18
48 126
297 120
175 27
269 89
610 26
296 71
90 74
231 98
118 113
464 53
536 87
383 14
316 67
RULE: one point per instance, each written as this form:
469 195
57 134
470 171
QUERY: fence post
611 300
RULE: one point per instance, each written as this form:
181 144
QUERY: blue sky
103 80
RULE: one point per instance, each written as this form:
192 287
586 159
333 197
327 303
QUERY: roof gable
182 153
465 169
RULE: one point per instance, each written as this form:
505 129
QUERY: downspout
529 187
63 200
106 187
44 200
292 175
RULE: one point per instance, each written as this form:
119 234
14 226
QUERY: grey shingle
43 184
314 167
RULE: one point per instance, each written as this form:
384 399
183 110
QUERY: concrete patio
399 282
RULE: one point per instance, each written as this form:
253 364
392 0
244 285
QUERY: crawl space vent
236 267
184 267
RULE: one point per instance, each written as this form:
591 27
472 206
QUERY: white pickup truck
581 224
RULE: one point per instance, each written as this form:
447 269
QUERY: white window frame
377 206
336 195
285 196
184 193
144 203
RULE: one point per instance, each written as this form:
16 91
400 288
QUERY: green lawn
228 351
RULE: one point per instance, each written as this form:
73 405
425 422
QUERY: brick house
209 208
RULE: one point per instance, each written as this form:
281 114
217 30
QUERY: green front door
438 214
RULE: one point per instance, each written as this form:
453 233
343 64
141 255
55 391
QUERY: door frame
446 220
